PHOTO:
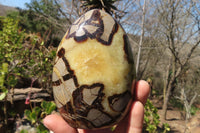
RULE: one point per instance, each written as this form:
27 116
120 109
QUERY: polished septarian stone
93 72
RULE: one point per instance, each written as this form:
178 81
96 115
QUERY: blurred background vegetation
165 39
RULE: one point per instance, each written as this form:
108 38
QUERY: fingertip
143 84
142 91
57 124
137 109
46 121
136 117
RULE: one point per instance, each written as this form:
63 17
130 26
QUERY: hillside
5 9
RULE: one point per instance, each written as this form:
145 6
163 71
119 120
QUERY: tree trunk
166 78
167 95
164 108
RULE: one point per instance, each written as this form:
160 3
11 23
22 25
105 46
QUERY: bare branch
141 37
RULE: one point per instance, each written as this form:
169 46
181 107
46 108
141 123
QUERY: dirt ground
176 120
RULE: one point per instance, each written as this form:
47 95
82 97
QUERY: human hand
132 123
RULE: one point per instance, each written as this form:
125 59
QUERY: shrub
25 54
22 55
36 114
151 119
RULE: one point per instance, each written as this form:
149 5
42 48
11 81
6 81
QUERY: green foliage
3 94
25 55
45 7
42 129
38 60
151 119
36 114
47 107
166 127
176 103
91 4
23 131
193 110
3 72
43 17
11 39
32 115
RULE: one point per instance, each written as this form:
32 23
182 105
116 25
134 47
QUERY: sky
15 3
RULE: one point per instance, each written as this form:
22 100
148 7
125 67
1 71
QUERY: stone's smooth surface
93 72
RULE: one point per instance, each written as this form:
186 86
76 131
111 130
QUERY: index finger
141 92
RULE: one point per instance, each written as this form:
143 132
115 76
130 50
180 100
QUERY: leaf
12 80
48 107
3 72
33 115
146 119
42 129
27 114
46 59
43 104
23 131
42 43
37 111
3 95
5 67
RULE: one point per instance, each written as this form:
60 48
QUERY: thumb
57 124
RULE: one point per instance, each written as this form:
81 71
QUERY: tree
178 28
46 18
